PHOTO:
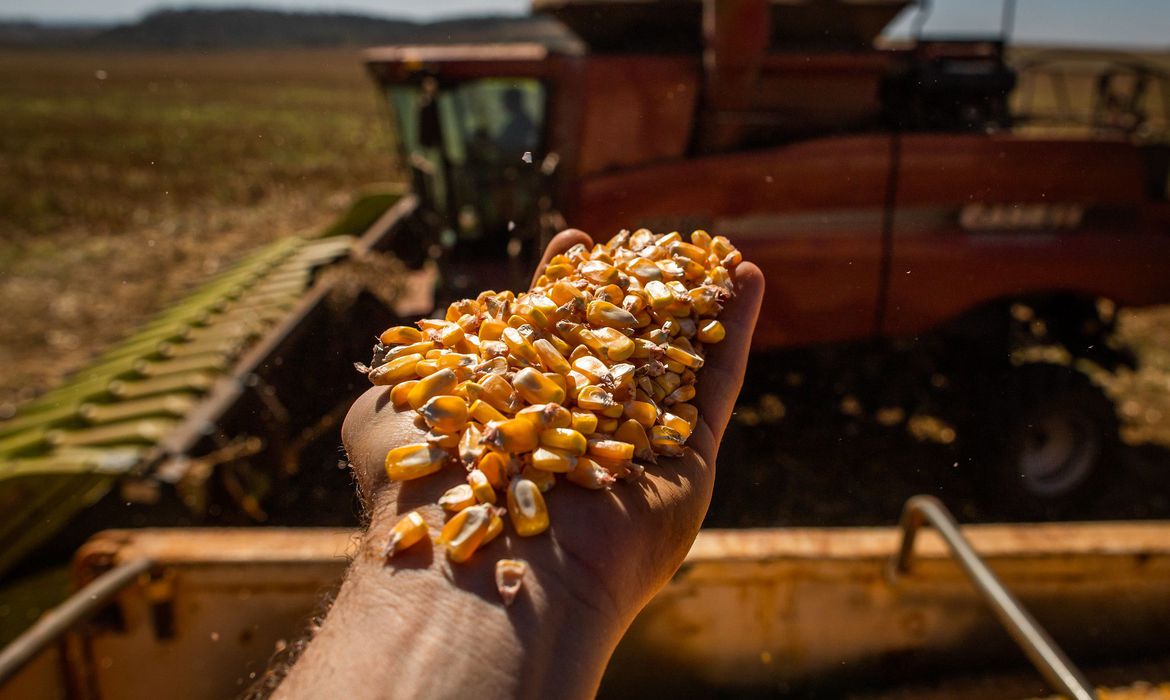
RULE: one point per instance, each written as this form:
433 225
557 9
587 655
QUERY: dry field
125 178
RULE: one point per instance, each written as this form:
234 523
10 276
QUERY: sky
1142 23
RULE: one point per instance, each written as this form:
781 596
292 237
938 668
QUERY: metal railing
79 607
1042 651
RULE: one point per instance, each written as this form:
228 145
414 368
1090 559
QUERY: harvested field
127 177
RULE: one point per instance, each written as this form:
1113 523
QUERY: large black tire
1041 442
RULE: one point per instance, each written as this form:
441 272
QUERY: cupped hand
610 549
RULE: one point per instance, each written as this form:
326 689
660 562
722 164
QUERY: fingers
560 243
721 377
371 428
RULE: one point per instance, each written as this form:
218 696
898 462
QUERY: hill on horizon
248 28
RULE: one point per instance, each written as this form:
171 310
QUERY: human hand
419 627
613 549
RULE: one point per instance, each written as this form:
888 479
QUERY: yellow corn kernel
599 272
549 415
668 381
557 271
464 533
481 486
611 449
584 421
536 388
515 435
497 467
419 348
457 498
701 238
722 248
400 335
495 527
441 382
682 394
399 392
520 346
711 332
594 398
666 441
614 345
551 460
510 576
604 313
591 367
413 461
397 370
590 474
527 509
499 393
470 445
426 367
469 391
446 414
565 439
491 329
687 412
461 308
484 412
447 441
607 425
563 293
634 302
551 358
405 533
644 270
689 251
609 293
659 295
675 352
679 424
632 432
644 412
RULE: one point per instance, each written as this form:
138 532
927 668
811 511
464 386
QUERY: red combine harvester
885 192
892 195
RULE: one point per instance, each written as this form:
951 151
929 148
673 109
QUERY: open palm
612 549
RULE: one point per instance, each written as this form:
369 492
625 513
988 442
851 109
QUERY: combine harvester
838 165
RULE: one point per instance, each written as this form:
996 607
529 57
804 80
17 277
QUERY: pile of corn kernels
589 375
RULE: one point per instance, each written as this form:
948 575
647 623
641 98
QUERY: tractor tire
1044 439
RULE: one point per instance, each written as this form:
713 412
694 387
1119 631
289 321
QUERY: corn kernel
405 533
551 460
400 335
510 578
464 533
634 433
446 414
611 449
400 391
413 461
590 474
526 508
536 388
666 441
481 486
584 421
566 439
394 371
457 498
515 435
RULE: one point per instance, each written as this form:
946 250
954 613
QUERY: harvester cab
471 128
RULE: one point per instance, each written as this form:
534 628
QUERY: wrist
551 642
